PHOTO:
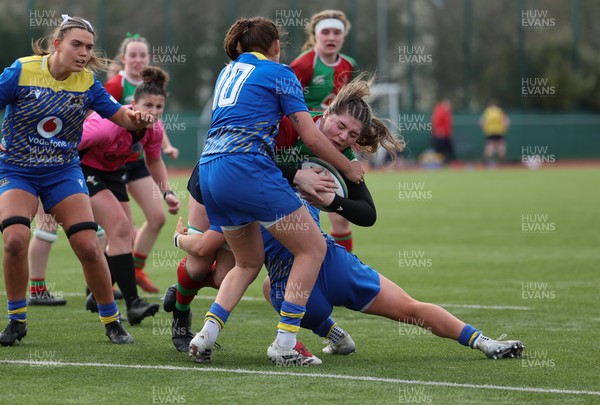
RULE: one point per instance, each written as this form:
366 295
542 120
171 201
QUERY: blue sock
291 316
217 314
108 312
324 328
17 310
468 336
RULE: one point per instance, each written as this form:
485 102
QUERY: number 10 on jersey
230 84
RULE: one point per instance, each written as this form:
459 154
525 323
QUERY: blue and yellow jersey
44 117
251 95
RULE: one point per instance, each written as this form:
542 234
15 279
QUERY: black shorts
135 170
193 185
495 138
98 180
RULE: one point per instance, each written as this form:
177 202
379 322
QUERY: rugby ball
316 163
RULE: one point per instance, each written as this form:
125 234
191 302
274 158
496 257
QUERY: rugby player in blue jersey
47 97
243 189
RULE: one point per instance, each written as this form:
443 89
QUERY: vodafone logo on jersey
49 126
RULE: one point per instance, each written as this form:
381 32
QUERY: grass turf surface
470 240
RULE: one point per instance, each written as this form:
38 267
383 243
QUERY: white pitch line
209 297
500 307
308 375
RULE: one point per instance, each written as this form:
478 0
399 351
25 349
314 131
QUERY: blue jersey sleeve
103 103
291 96
9 82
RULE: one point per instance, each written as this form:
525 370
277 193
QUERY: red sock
139 261
343 239
187 287
37 285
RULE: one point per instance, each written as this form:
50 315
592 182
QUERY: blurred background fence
539 58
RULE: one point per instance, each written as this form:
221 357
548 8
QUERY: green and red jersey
321 82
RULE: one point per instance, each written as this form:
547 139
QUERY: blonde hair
322 15
352 100
129 39
96 62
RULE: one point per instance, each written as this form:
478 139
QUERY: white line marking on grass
309 375
211 297
500 307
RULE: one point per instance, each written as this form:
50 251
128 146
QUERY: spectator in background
441 129
494 123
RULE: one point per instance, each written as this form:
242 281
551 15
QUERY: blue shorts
344 281
242 188
50 184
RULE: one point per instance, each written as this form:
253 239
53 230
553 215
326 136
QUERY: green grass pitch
510 251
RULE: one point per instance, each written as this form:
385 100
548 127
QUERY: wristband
176 240
166 193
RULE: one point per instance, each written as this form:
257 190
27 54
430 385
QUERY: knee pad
100 233
15 220
49 237
81 226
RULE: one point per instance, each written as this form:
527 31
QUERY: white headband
330 23
67 17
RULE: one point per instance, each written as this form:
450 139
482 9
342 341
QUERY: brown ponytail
255 34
